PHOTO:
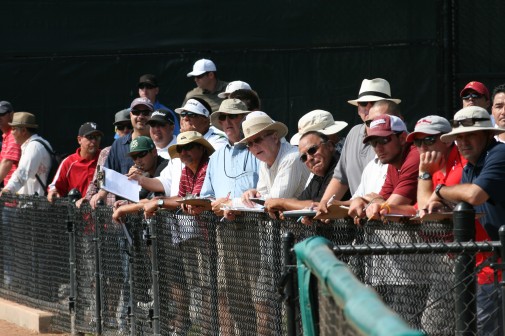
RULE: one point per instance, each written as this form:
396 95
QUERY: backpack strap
52 154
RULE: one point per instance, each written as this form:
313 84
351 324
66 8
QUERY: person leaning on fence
35 159
11 151
356 154
76 170
318 153
232 170
482 186
279 168
118 160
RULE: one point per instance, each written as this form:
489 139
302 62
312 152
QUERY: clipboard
334 212
299 213
201 202
118 184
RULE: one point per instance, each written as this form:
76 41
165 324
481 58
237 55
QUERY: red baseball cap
476 86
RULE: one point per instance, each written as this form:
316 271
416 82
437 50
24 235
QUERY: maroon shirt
192 183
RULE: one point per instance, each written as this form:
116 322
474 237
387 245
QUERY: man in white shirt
35 159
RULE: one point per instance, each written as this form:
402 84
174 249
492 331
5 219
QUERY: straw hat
186 138
258 121
24 119
471 112
374 90
317 120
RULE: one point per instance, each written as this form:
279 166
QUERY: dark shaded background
75 61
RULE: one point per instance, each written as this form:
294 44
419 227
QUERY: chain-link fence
183 275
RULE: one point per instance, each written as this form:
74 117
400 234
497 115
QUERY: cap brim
450 137
195 73
372 99
380 134
93 132
411 136
223 95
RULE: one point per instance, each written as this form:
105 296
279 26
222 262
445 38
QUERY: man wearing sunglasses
482 186
475 94
208 86
161 129
356 154
122 123
118 159
76 170
149 88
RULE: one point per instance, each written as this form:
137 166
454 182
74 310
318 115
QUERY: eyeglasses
186 147
258 140
428 141
201 76
122 127
223 116
472 95
365 104
380 140
311 151
92 137
466 122
145 113
146 86
139 155
189 114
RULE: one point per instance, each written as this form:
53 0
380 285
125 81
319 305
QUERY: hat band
373 93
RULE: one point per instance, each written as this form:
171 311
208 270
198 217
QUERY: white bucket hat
374 90
317 120
479 119
188 137
202 66
258 121
234 86
228 106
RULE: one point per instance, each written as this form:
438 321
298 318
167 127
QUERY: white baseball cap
202 66
194 106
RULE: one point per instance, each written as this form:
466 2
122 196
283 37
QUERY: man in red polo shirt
77 170
11 151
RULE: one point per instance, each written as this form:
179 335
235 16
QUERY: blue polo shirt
118 158
232 169
489 174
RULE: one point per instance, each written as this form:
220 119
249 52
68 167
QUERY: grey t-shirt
355 156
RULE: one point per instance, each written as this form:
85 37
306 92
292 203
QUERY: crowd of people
221 146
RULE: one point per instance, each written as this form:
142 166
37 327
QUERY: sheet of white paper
118 184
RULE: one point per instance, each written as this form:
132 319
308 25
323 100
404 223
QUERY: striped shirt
10 151
191 183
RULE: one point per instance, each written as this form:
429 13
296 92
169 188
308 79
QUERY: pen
226 200
332 198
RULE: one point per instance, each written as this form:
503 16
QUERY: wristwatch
160 203
437 190
425 176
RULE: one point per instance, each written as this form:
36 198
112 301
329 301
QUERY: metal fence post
501 232
152 242
288 240
98 271
465 289
72 264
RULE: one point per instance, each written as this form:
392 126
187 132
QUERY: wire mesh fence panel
35 254
332 320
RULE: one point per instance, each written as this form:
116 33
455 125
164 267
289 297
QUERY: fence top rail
349 293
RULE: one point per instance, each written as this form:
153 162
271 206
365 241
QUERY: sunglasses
380 141
257 141
139 155
186 147
311 151
145 113
146 86
223 116
365 104
201 76
122 127
466 122
428 141
92 137
189 114
472 95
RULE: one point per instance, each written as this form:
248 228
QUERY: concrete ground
10 329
